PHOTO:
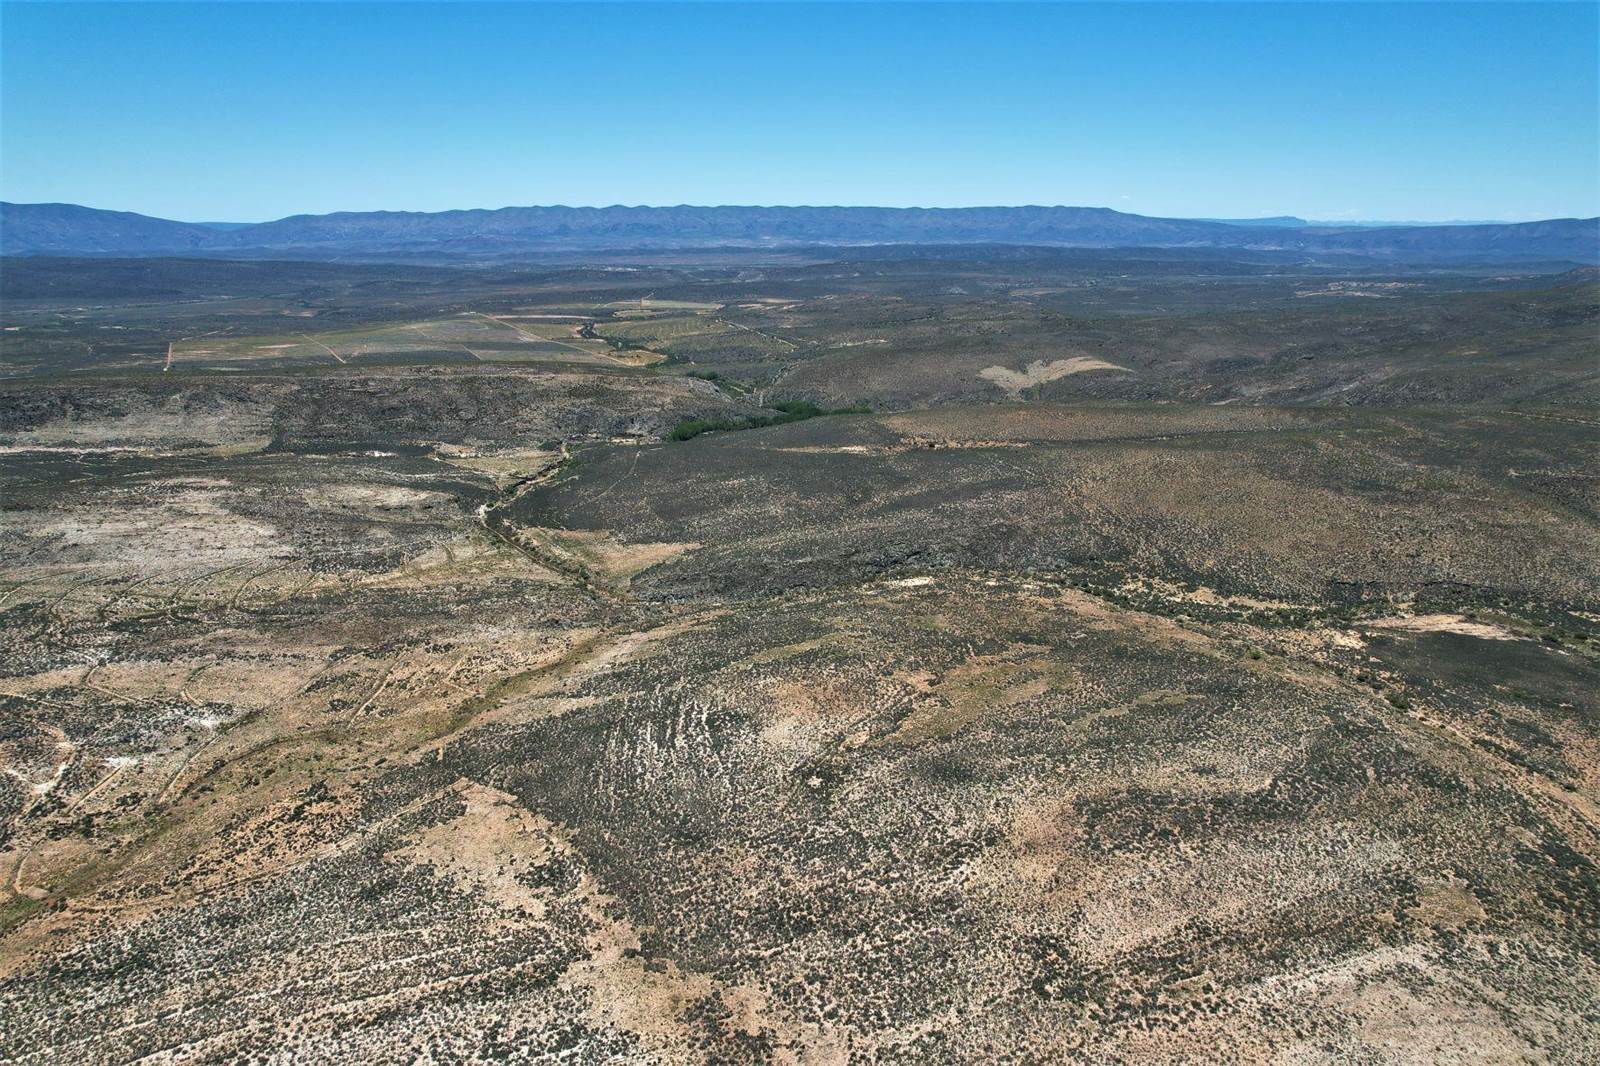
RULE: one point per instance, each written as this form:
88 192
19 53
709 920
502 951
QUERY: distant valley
69 229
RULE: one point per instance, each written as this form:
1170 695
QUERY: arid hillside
799 659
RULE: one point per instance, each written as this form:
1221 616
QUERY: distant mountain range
1274 220
1298 222
68 229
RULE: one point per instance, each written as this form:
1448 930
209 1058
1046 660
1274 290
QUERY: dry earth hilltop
800 657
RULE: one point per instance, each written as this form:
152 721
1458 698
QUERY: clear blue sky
247 112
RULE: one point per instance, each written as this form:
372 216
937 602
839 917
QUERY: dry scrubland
383 704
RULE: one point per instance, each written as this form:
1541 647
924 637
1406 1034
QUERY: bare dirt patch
1445 623
1039 372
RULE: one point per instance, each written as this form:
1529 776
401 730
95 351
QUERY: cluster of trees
788 411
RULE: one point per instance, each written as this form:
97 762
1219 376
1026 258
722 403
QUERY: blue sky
1334 110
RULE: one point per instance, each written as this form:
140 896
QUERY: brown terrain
808 660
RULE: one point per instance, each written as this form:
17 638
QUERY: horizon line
1218 219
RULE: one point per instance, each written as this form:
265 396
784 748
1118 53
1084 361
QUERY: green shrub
797 409
789 411
693 427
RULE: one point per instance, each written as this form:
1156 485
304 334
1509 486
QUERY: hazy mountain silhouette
68 229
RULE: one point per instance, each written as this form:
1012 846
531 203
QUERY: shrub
693 427
797 409
789 411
